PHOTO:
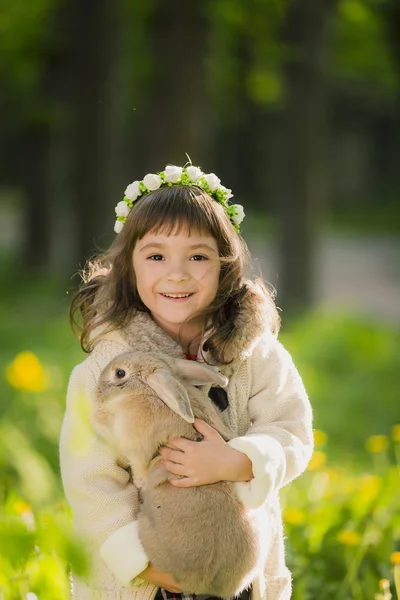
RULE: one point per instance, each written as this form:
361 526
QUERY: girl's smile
177 277
177 296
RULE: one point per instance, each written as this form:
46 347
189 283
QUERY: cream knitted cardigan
269 413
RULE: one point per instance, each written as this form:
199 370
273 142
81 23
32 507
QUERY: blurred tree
362 83
391 15
174 119
28 64
244 76
92 28
303 129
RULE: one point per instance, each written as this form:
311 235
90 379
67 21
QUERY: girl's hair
108 296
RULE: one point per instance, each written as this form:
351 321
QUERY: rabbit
201 535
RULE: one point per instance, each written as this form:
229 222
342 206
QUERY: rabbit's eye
120 373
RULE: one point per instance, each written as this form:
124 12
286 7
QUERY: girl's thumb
202 427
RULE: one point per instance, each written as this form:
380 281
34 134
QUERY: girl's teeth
177 295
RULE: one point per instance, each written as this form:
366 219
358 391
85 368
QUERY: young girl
173 282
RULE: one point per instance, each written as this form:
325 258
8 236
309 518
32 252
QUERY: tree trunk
175 121
392 19
303 128
35 166
37 214
90 62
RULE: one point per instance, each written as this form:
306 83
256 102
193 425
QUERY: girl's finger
183 482
180 443
172 455
204 428
174 468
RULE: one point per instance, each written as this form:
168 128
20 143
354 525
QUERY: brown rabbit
201 535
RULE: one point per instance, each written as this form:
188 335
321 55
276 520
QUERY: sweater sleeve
103 500
279 442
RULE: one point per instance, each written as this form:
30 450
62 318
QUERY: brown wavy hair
108 296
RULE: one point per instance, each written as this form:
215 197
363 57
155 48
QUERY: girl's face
177 277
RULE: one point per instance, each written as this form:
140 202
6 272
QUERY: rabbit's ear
198 373
172 393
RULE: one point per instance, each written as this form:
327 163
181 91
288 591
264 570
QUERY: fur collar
144 335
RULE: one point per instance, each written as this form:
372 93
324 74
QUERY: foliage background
295 105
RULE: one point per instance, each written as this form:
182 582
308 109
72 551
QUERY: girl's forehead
181 236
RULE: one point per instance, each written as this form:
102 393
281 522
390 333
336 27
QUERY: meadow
342 517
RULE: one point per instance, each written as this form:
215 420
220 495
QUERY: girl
173 282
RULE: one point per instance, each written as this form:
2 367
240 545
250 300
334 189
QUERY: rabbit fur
201 535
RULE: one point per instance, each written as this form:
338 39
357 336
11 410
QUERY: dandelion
332 474
370 486
395 558
376 444
384 586
320 438
396 433
26 372
349 537
31 596
25 511
294 516
20 507
317 461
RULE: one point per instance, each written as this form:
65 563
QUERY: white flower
122 209
194 173
29 519
118 226
238 218
173 174
227 191
152 181
133 191
31 596
213 181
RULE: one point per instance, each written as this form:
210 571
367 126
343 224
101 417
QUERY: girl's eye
156 257
199 257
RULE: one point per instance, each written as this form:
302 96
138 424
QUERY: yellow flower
384 584
21 507
349 537
24 510
377 443
369 487
332 474
396 433
317 461
320 438
396 576
294 516
395 558
26 372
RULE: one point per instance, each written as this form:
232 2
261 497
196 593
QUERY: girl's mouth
177 297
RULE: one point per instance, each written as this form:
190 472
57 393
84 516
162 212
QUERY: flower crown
173 175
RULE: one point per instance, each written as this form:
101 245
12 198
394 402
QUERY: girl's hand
160 579
208 461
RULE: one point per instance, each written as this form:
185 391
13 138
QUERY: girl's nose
178 272
178 276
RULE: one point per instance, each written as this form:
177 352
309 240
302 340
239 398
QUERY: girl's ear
197 373
171 392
